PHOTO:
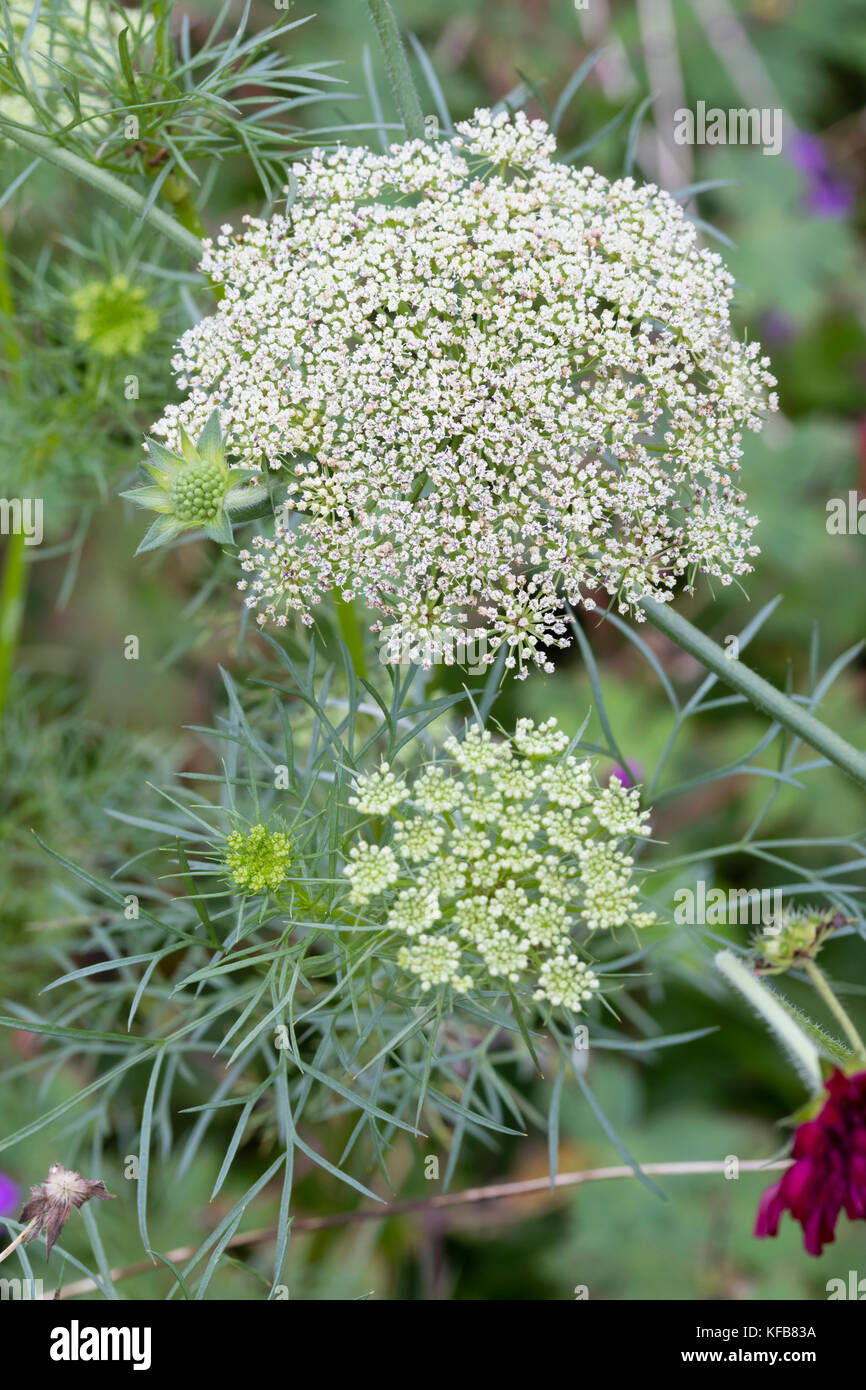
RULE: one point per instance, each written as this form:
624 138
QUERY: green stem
822 985
165 54
13 592
13 587
397 68
106 183
757 691
11 344
350 631
186 210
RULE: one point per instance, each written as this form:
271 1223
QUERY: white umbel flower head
492 381
377 793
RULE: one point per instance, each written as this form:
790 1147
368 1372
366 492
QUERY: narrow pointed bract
190 489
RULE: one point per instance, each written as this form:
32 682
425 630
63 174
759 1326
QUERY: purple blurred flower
10 1196
778 327
826 196
629 775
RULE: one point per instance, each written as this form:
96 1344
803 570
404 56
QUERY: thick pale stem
496 1192
19 1240
800 1049
757 691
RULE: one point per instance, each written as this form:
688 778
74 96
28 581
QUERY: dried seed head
51 1203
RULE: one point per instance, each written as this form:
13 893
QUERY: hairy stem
249 503
822 985
106 183
800 1049
397 67
757 691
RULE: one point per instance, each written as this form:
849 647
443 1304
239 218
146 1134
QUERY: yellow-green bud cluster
258 859
113 317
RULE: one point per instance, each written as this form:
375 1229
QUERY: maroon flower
829 1169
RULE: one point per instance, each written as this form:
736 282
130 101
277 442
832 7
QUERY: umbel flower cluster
258 859
493 381
497 856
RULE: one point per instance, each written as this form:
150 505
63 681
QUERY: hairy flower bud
796 934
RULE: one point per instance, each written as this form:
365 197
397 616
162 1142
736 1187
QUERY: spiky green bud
796 934
194 488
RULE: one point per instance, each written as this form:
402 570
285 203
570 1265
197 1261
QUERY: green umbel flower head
504 860
793 936
192 489
113 317
258 859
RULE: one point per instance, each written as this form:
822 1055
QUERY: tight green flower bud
198 493
195 488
